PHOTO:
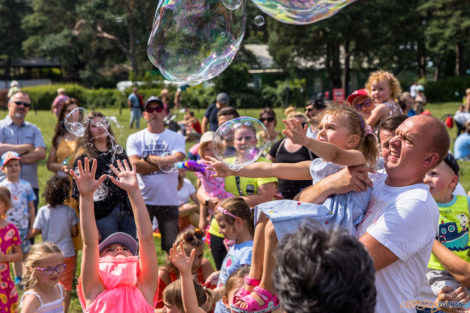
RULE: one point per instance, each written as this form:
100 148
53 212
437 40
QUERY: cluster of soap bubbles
77 122
193 41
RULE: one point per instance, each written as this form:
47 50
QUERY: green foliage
445 89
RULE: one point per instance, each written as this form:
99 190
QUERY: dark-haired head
57 190
324 270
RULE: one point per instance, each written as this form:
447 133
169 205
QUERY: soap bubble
193 41
240 142
259 20
101 193
76 122
118 149
301 12
166 166
232 4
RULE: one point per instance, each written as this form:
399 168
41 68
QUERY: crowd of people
353 207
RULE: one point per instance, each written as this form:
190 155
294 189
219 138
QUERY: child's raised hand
126 176
180 260
294 131
221 169
86 182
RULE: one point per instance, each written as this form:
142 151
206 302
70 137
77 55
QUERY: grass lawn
46 122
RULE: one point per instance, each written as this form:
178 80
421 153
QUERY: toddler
58 223
22 211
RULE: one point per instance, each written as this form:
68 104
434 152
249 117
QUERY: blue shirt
26 133
134 100
462 146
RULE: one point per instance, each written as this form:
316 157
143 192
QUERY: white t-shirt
158 188
405 220
186 190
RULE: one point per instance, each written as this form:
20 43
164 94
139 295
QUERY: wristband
207 201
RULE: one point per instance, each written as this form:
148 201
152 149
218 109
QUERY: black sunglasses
266 119
25 104
157 109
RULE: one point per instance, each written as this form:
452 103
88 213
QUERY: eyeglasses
157 109
193 238
266 119
25 104
52 269
366 103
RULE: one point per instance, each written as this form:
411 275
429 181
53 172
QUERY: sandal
271 302
242 292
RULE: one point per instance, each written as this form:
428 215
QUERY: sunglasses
157 109
194 238
266 119
52 269
25 104
366 103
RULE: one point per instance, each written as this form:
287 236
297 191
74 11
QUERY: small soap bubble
167 166
76 122
118 149
259 20
113 120
301 12
240 142
232 4
101 193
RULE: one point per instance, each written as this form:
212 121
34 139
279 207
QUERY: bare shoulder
29 303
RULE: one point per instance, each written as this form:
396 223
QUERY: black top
290 188
115 195
211 114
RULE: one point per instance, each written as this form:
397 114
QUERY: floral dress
9 237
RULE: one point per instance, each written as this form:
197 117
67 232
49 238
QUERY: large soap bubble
301 12
76 122
193 41
240 142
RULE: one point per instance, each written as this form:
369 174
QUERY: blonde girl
343 140
383 87
191 240
44 266
234 282
10 251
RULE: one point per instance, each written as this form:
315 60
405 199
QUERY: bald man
401 220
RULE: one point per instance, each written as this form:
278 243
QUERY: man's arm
37 154
21 149
348 179
380 254
204 123
129 103
458 267
151 163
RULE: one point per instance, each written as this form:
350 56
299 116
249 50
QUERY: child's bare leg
270 244
257 257
67 297
18 268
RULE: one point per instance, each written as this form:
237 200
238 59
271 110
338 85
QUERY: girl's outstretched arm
148 277
86 184
290 171
183 263
325 150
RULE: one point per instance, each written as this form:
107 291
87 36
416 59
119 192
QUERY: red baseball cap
357 93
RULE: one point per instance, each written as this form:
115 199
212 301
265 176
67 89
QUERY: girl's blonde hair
238 207
172 295
190 238
232 280
392 81
5 196
357 125
37 253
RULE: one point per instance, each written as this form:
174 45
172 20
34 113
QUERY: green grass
46 122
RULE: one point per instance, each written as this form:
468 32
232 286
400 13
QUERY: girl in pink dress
115 277
10 251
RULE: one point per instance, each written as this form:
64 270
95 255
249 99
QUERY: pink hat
357 93
7 156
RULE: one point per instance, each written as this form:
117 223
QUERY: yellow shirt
248 186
